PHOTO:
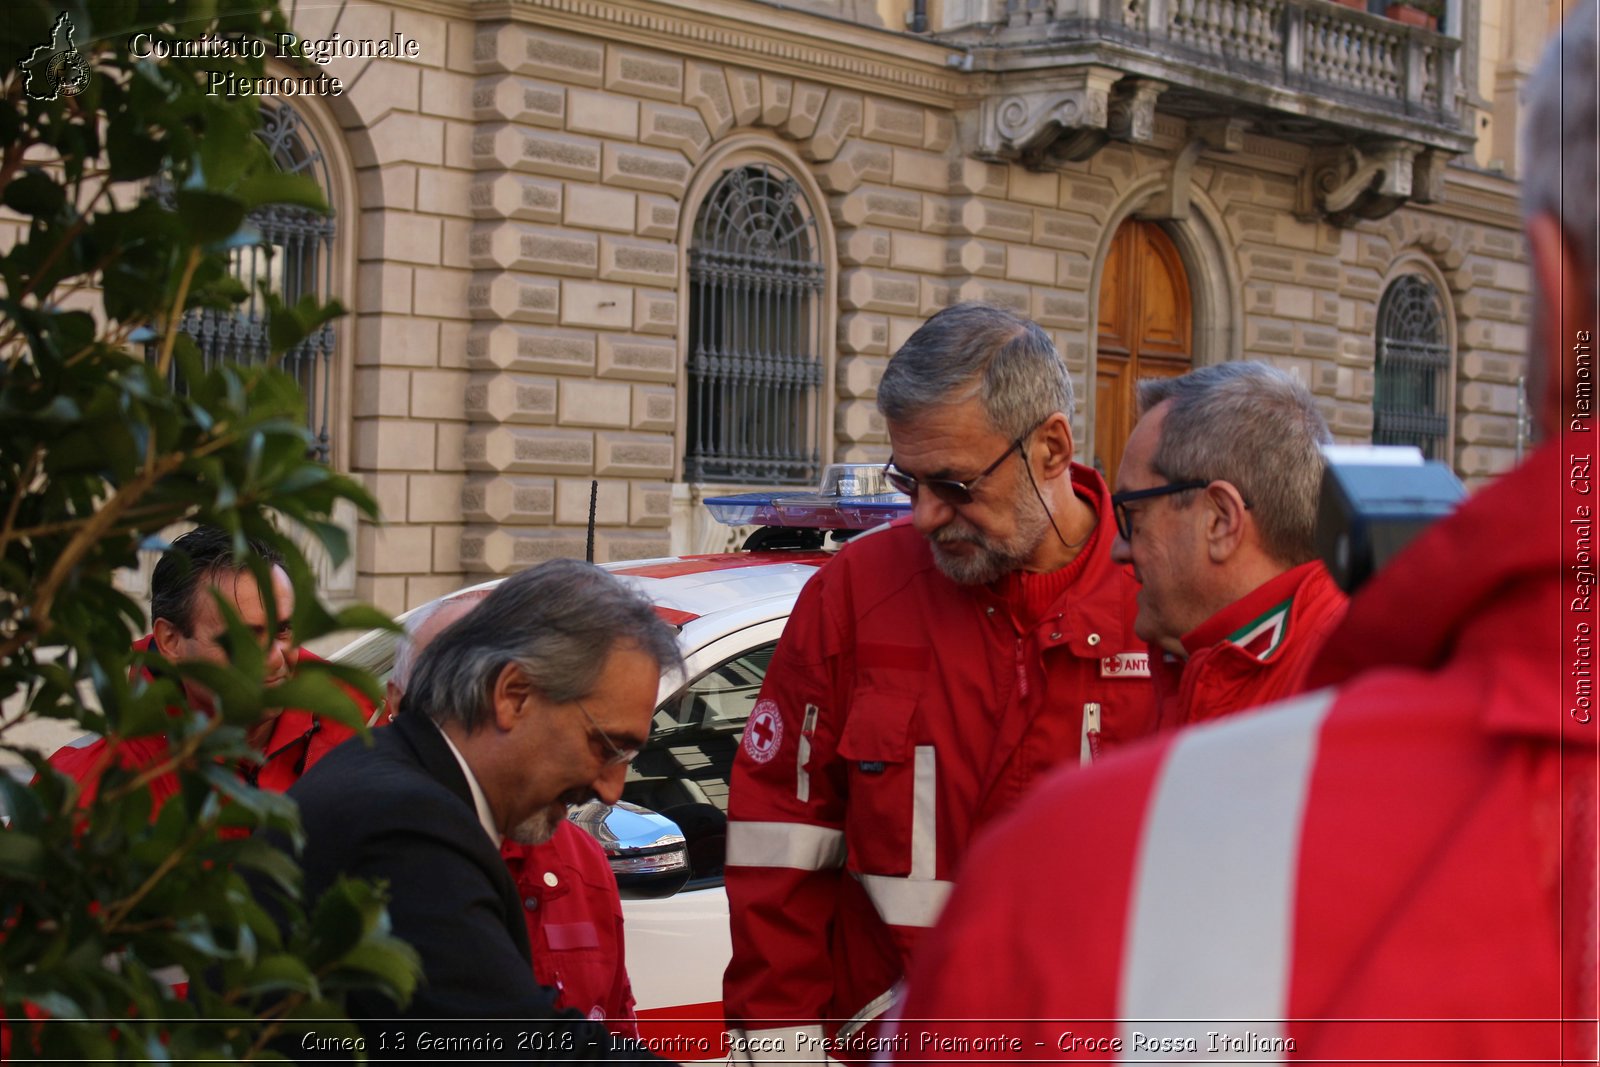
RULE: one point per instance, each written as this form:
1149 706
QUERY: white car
666 840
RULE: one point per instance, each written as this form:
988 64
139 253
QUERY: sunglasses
620 755
952 492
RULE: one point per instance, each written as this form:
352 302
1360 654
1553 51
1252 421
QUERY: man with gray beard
536 699
568 891
927 676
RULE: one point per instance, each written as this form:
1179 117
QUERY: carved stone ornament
1069 120
1348 183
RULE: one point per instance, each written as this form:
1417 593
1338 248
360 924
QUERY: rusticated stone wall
519 198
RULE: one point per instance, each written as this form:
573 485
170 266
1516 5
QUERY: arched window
755 333
295 256
1411 405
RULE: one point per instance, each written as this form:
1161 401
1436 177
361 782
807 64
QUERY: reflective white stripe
874 1008
786 1044
1091 726
802 785
784 844
802 780
924 815
1211 922
906 901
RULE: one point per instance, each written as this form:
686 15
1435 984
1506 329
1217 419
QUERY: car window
689 756
683 770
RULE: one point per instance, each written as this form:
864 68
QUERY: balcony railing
1306 46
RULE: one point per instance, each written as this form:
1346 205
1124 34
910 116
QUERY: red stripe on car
723 561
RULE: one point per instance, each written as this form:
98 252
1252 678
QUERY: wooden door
1146 330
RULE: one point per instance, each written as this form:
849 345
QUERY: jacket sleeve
786 844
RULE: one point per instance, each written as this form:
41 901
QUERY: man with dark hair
188 624
1399 868
536 699
928 675
569 893
1222 538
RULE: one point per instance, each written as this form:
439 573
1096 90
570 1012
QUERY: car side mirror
647 852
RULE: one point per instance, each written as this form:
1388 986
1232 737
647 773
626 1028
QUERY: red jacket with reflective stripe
1439 860
901 712
574 917
1223 678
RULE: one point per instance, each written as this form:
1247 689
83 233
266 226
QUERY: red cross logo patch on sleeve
763 734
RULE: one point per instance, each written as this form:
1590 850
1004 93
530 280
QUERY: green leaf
21 855
34 193
133 154
312 690
280 973
209 216
390 960
276 187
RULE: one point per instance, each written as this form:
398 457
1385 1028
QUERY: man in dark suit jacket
535 700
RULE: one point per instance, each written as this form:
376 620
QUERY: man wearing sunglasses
569 895
1399 865
928 675
534 700
1216 510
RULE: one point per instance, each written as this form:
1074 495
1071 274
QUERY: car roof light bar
852 496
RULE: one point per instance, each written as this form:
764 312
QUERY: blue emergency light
853 496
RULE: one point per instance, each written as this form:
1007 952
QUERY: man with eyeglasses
569 895
1216 510
535 700
928 675
1397 866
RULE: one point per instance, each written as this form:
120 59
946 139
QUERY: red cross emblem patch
764 732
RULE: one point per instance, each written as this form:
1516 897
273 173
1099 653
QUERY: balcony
1375 101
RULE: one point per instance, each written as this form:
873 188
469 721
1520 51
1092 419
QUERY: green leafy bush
99 452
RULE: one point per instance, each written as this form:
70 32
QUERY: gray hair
558 622
979 350
1256 427
1558 161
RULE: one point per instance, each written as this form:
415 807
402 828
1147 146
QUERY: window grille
1412 401
295 257
755 330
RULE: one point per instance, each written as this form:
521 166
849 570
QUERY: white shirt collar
479 800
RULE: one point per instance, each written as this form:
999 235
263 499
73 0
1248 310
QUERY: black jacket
402 811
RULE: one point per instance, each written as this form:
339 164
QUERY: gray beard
537 829
994 559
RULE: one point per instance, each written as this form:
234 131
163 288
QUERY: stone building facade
526 217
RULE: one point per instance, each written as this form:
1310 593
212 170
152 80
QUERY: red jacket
902 712
298 741
1254 651
574 917
1402 868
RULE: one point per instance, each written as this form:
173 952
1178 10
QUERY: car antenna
594 494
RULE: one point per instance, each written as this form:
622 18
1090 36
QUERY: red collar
1236 621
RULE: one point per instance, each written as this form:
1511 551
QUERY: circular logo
68 72
764 732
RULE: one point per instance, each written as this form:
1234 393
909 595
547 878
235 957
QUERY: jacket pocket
878 747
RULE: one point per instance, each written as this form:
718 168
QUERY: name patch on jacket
1126 665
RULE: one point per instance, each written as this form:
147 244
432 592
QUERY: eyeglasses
956 494
619 756
1120 502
